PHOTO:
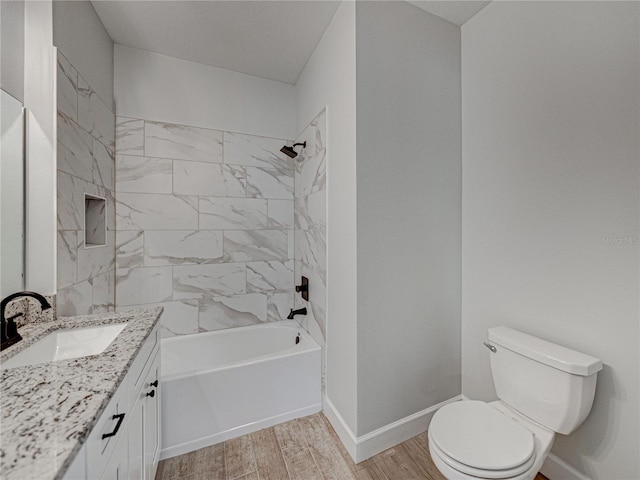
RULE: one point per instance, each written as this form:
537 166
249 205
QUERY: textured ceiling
268 39
456 11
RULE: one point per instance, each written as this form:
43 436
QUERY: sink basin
67 344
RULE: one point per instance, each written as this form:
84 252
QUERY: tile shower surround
205 218
85 164
204 225
310 222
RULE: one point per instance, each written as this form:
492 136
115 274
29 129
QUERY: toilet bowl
471 440
544 389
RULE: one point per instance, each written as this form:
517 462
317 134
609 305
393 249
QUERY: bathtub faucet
293 313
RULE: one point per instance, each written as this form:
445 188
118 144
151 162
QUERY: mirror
12 155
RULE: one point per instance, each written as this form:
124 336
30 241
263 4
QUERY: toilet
543 389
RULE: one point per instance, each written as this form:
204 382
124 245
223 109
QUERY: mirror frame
13 195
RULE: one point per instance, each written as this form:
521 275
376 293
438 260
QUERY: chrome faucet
293 313
9 330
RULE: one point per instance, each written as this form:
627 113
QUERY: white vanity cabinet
103 458
144 426
152 432
117 465
125 442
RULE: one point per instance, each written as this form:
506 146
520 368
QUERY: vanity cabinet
117 465
108 433
125 442
144 426
152 433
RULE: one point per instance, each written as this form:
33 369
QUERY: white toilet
543 388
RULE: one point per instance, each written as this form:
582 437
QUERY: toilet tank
551 384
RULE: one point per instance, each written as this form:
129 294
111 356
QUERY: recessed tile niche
95 221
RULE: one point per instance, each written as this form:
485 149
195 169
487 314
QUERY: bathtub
223 384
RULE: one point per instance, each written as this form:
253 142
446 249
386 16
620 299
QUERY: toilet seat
476 439
477 472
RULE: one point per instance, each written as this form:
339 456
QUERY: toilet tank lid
551 354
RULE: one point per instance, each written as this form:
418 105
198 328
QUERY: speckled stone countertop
48 410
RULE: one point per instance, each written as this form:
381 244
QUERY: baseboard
397 432
366 446
343 431
554 468
209 440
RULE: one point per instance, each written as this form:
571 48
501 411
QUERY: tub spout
293 313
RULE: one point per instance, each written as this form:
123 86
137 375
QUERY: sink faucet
293 313
9 329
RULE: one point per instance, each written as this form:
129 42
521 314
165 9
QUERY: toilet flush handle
490 347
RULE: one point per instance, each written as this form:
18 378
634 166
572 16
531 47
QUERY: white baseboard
554 468
343 431
366 446
397 432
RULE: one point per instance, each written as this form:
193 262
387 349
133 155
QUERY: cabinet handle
120 418
154 384
151 394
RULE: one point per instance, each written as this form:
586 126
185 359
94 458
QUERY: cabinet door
135 434
110 430
144 430
117 466
152 418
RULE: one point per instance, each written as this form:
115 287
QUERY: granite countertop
48 410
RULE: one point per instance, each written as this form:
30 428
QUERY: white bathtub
223 384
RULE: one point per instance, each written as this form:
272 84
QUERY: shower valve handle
303 288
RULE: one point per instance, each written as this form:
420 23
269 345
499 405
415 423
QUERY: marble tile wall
85 165
310 182
204 225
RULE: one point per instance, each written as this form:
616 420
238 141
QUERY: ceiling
265 38
456 11
269 39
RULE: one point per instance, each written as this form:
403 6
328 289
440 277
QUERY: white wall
12 48
409 211
329 80
167 89
79 33
551 203
39 98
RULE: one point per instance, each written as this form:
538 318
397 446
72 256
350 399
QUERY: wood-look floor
302 449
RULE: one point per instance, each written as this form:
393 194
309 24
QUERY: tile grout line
255 461
224 444
281 450
315 462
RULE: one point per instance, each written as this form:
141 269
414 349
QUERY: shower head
290 151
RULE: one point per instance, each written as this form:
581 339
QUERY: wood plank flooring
302 449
